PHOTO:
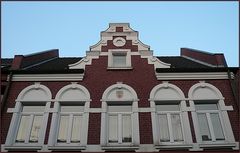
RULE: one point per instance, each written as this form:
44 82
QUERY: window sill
76 148
217 145
120 148
23 147
120 68
173 146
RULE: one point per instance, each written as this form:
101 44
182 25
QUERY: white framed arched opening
69 125
119 105
170 122
210 118
30 117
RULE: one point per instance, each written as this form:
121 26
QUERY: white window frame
120 134
215 95
21 101
70 101
133 101
183 112
121 52
170 129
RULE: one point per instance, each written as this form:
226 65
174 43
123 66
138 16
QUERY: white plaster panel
166 93
73 94
207 93
35 95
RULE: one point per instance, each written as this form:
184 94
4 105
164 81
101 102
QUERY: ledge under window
120 68
75 148
217 145
23 148
174 146
120 148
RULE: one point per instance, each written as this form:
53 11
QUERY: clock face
119 41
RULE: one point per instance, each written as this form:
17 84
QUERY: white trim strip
192 75
48 77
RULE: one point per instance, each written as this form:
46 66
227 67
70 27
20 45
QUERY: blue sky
71 27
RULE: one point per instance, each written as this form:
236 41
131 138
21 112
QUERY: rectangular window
209 122
70 124
169 123
119 124
30 124
119 60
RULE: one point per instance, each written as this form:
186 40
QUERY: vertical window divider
169 120
120 128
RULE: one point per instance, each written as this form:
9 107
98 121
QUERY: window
210 117
69 124
209 122
29 120
30 124
119 59
70 121
169 123
119 124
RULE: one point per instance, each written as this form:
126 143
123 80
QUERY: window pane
119 60
167 107
206 106
75 138
113 129
23 127
33 108
63 128
204 129
217 127
120 108
72 108
176 127
37 122
163 125
127 128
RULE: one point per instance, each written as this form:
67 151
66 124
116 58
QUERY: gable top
116 31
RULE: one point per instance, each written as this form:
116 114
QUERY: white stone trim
48 77
192 76
55 117
111 53
14 125
223 115
186 131
134 116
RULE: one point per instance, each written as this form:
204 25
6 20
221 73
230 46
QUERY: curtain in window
75 138
37 122
163 124
126 127
63 128
176 127
113 129
23 127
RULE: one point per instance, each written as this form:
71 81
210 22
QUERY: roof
60 65
55 64
181 62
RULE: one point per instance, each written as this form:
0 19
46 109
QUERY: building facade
119 97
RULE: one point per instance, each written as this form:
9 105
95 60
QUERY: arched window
119 123
210 118
29 120
70 120
170 119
